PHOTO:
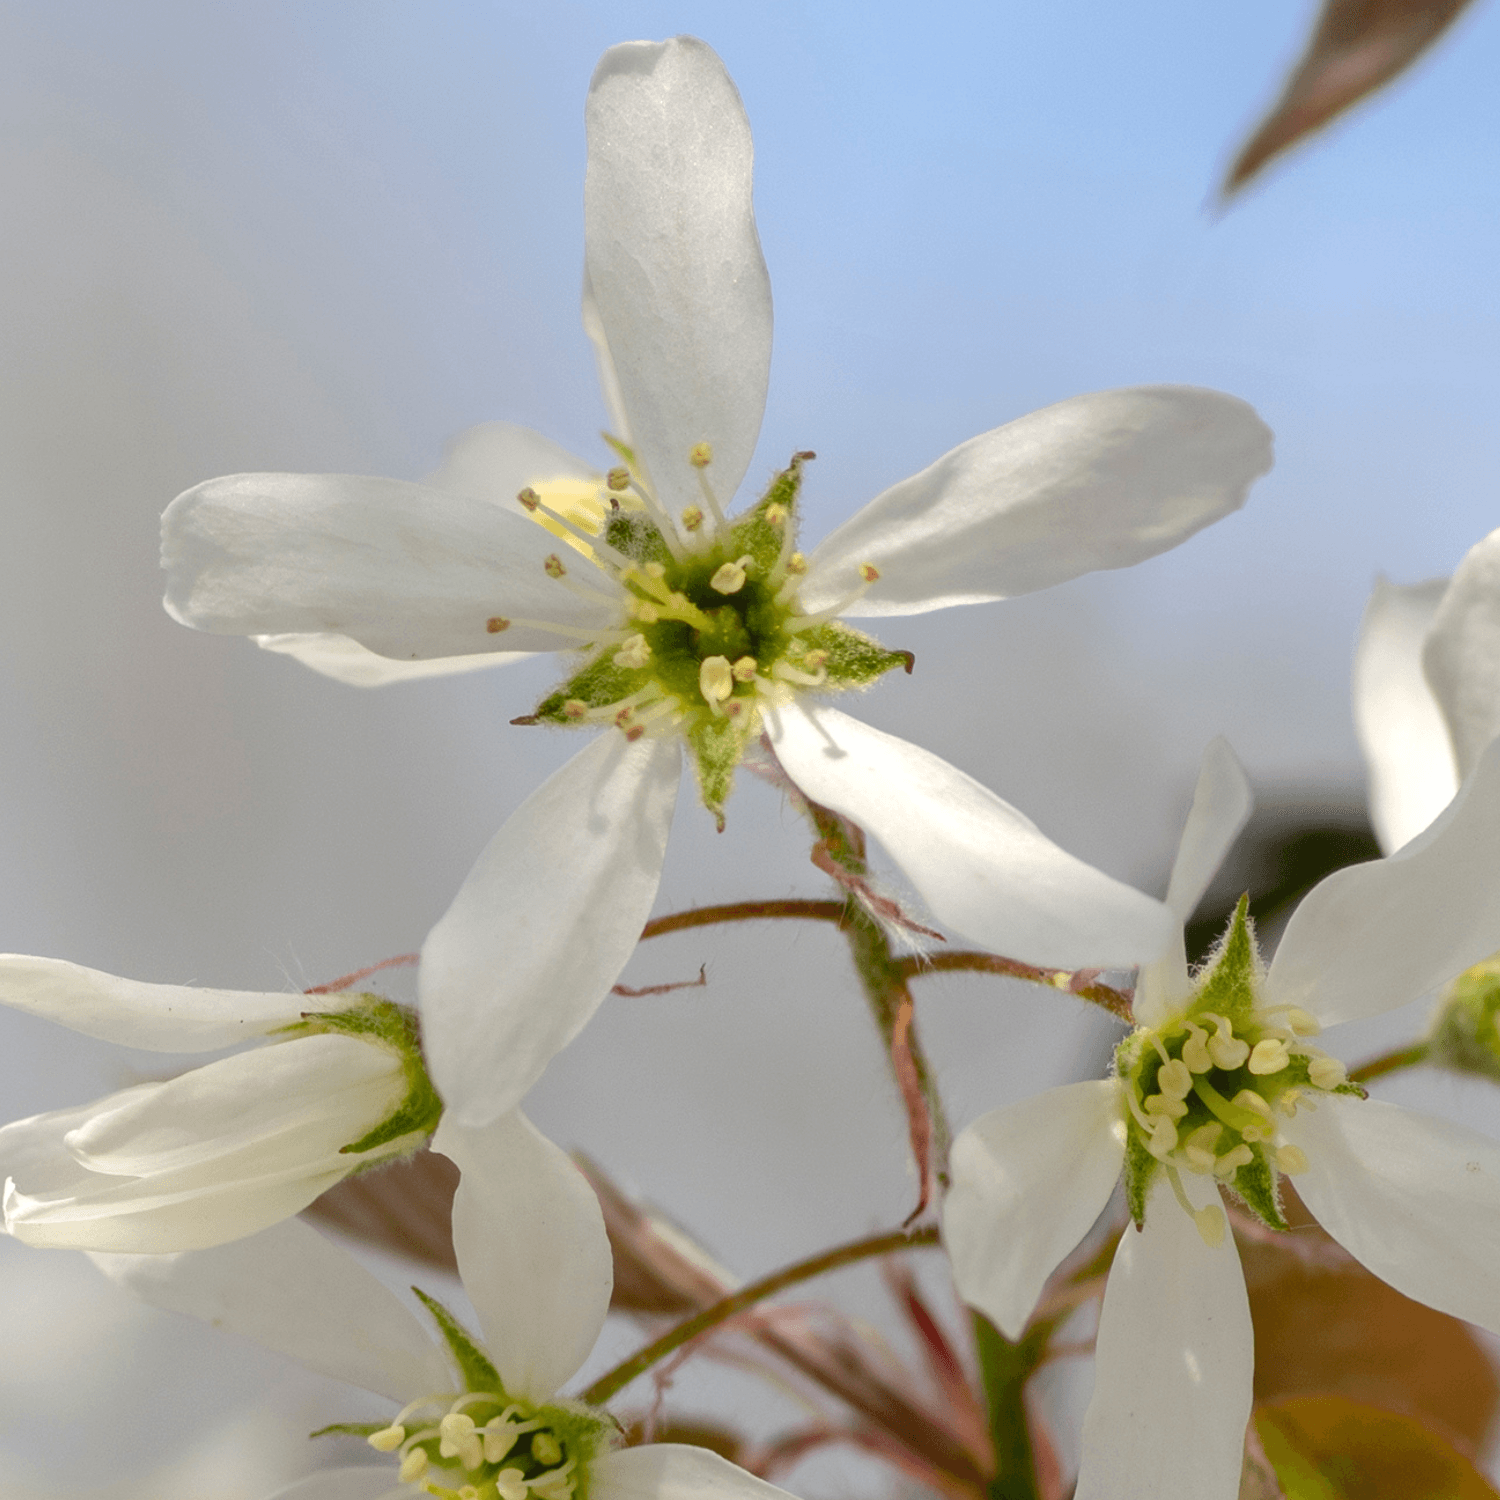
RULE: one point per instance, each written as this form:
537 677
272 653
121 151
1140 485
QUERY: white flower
1427 689
535 1262
222 1150
1221 1085
700 630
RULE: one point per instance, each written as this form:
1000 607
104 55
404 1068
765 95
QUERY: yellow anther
730 577
510 1484
468 1492
1326 1073
575 708
1159 1104
1291 1159
1287 1103
496 623
413 1466
618 478
1231 1161
815 661
796 564
545 1448
776 514
655 570
635 732
529 499
1226 1049
1302 1023
1174 1080
701 455
1199 1146
555 1485
1194 1053
1163 1139
745 668
869 572
692 518
1248 1099
715 679
634 653
388 1439
1210 1222
1268 1056
499 1438
553 566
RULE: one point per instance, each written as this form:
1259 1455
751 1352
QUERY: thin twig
335 985
744 911
1390 1062
1116 1002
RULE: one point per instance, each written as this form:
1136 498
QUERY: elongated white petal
154 1017
983 868
545 922
532 1251
1173 1364
676 1471
495 461
1414 1199
1462 655
1408 751
368 1482
609 380
674 262
1221 808
1100 481
296 1101
293 1291
1373 936
346 661
1028 1182
32 1151
407 571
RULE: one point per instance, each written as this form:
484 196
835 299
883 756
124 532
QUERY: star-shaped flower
478 1419
698 628
1221 1086
222 1150
1427 689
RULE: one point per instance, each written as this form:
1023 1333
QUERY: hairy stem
1116 1002
1390 1062
744 911
728 1307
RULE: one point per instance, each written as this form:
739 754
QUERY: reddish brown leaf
406 1207
1325 1325
1358 46
1331 1448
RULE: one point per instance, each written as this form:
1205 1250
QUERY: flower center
1207 1092
709 629
485 1446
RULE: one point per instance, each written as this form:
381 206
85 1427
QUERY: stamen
1174 1079
775 514
1291 1159
459 1440
730 576
1227 1050
867 571
715 679
692 517
498 623
1268 1056
1327 1073
635 653
1198 1148
700 456
786 672
1194 1053
554 567
546 1449
510 1484
1263 1123
413 1466
744 669
618 479
1231 1161
387 1440
1211 1225
1163 1139
1159 1104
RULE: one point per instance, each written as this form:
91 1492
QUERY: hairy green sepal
1464 1034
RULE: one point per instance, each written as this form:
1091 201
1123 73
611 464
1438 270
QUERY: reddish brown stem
335 985
1116 1002
744 911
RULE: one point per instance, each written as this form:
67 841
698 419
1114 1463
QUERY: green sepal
752 534
349 1429
473 1364
1464 1035
717 746
1140 1172
855 660
637 536
1257 1183
384 1023
599 683
1229 979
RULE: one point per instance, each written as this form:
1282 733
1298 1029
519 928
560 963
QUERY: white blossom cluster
694 628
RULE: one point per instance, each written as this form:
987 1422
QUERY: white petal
495 461
674 262
1221 808
676 1471
983 868
532 1251
296 1101
32 1150
545 922
154 1017
1407 748
346 661
1373 936
293 1291
1414 1199
407 571
1101 481
368 1482
1173 1365
1462 657
1028 1182
609 381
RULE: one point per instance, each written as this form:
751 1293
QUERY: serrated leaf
1357 47
473 1364
1332 1448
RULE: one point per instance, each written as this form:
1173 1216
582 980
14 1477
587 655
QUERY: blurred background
330 236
